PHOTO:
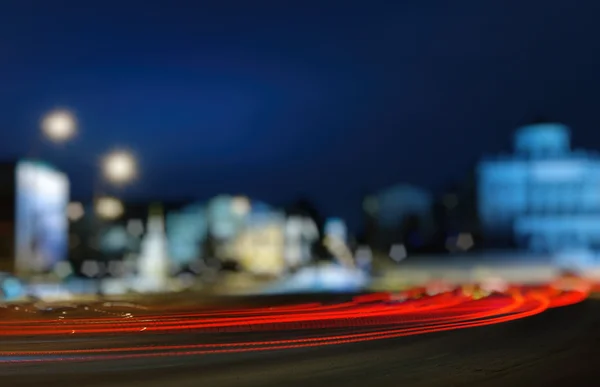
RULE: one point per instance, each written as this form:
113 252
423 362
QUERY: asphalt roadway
559 347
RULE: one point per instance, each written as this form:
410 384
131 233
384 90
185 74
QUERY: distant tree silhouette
305 207
539 119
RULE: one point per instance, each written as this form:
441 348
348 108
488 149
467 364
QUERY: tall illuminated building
33 217
545 196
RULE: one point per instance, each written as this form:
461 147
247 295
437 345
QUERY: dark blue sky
279 98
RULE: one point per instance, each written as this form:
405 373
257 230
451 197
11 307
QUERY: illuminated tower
153 263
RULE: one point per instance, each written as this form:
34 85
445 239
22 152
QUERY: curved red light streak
367 317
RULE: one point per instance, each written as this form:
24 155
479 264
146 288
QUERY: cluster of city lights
117 167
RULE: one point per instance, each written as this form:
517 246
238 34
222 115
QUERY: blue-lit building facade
545 196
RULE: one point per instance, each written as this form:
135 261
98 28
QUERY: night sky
325 99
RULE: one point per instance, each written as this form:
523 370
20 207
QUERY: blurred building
545 195
260 246
33 219
400 214
187 230
226 233
226 217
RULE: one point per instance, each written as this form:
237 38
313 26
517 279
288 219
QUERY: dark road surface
558 347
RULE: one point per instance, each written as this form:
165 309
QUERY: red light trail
367 317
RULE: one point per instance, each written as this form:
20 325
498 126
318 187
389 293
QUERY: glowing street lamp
59 126
109 208
119 167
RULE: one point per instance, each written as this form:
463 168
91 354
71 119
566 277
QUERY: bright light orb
109 208
75 211
119 167
59 126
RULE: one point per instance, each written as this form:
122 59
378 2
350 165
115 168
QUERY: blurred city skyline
281 101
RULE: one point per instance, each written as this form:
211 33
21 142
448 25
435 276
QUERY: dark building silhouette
7 216
455 212
400 214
